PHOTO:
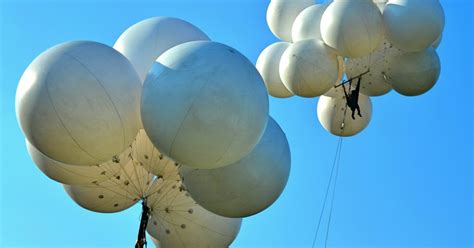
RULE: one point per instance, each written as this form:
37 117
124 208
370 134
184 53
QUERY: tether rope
335 161
333 194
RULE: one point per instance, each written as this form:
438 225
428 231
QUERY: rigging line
135 165
142 188
327 192
124 173
116 182
121 166
169 188
333 195
138 176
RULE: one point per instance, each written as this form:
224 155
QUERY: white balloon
155 162
205 106
177 221
77 175
247 187
353 28
79 103
145 41
413 25
282 13
413 74
307 24
379 62
268 64
113 195
335 116
308 68
341 69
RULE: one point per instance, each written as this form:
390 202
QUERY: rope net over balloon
383 44
143 173
374 36
117 125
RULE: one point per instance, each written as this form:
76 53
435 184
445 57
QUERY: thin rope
333 195
327 190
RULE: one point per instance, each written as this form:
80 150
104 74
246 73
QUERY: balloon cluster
387 44
165 116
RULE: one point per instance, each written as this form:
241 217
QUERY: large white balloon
145 41
268 64
307 24
282 13
353 28
177 221
155 162
79 103
247 187
77 175
413 74
413 25
379 62
205 105
113 195
335 116
309 68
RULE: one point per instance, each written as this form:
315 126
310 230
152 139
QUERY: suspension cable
333 195
335 161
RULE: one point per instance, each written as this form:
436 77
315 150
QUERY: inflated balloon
353 28
204 105
247 187
307 24
79 103
155 162
281 15
77 175
113 195
145 41
415 73
341 69
177 221
335 116
268 64
309 68
413 25
379 63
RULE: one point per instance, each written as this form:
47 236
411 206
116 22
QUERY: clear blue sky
406 181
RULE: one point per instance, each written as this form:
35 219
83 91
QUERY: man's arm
345 93
358 84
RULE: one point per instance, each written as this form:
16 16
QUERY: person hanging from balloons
353 98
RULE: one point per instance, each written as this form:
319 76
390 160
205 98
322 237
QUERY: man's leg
353 111
358 111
